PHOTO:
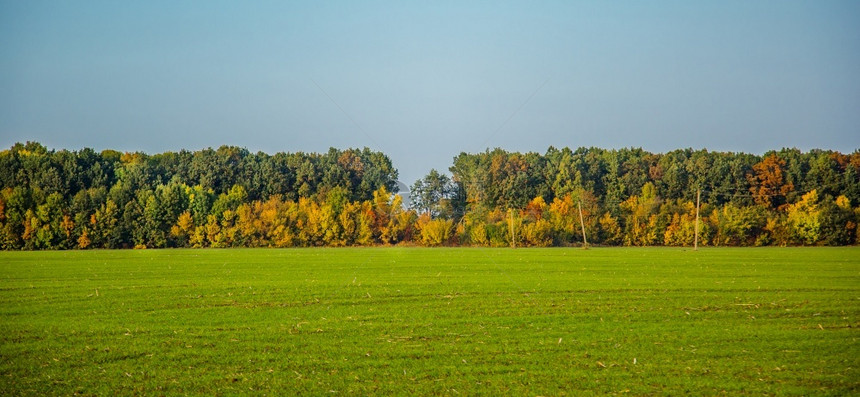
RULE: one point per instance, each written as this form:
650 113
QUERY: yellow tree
434 232
681 230
365 223
804 218
213 232
405 221
332 230
310 224
478 234
347 220
84 239
67 226
536 229
183 229
198 238
641 217
562 214
283 233
229 235
610 231
251 225
389 222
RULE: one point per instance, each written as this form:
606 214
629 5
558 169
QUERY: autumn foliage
232 198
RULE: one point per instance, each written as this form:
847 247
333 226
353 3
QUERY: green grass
431 321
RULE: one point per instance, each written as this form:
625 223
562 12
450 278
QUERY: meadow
440 321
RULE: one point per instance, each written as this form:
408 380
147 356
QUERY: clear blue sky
423 81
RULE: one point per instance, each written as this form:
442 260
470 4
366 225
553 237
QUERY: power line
514 113
751 195
346 114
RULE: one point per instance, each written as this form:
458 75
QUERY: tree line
634 197
87 199
230 197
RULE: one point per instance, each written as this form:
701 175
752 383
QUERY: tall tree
433 195
768 182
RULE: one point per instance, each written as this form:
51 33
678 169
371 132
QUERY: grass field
431 321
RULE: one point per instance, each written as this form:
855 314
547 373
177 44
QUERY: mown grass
411 321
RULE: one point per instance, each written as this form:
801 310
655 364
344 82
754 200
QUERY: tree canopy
229 197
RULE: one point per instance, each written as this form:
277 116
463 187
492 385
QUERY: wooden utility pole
696 239
513 231
582 223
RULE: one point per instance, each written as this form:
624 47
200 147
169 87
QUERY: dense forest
230 197
633 197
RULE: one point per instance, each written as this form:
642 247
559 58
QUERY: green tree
838 223
105 228
735 225
433 194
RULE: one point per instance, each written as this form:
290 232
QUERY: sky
423 81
